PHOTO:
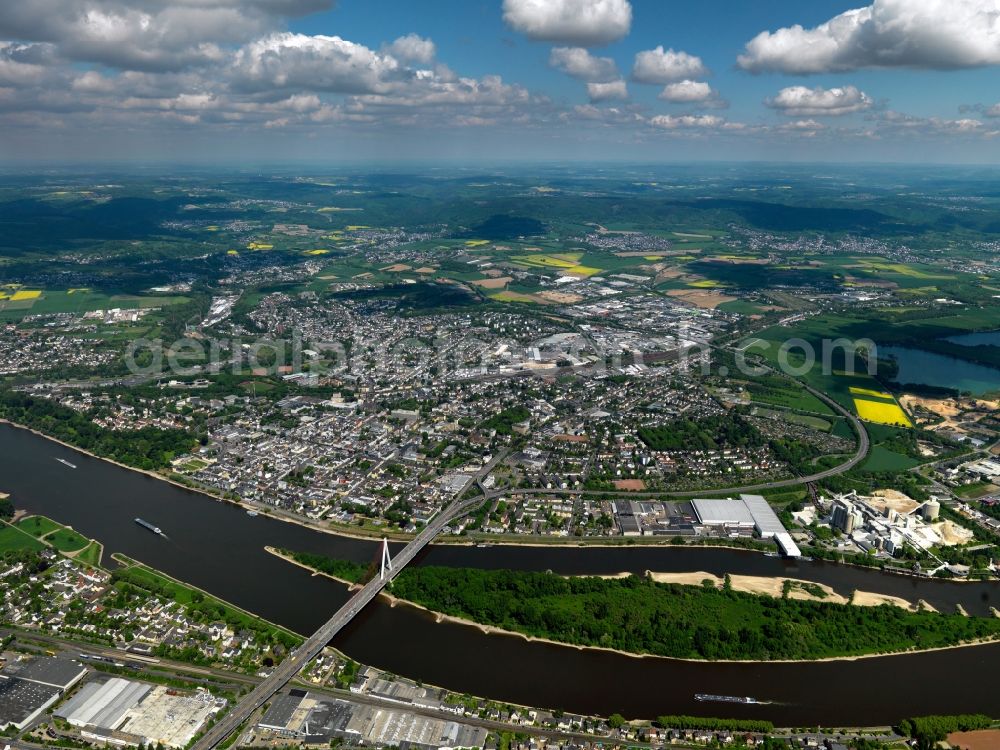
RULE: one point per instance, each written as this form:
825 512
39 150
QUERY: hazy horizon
265 81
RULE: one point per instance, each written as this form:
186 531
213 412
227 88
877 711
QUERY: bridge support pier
386 560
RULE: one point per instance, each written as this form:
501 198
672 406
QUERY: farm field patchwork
77 300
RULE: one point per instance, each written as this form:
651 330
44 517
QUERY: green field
742 307
843 429
785 495
38 526
977 489
63 538
883 459
67 540
192 466
13 539
81 301
91 554
778 391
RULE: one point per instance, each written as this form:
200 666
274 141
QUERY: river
219 548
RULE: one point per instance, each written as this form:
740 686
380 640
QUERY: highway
310 649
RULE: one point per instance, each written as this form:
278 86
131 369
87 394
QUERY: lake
929 368
983 338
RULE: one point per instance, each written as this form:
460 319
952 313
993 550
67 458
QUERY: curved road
864 444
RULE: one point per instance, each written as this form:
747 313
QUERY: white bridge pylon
386 560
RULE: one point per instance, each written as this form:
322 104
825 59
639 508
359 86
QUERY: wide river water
219 548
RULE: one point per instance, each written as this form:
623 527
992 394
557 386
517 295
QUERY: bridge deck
311 648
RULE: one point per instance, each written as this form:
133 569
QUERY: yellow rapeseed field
562 260
509 296
582 270
857 391
881 412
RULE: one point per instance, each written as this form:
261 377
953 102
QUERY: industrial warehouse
750 513
30 686
744 516
123 712
315 721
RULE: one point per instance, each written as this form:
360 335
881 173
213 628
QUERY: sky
474 81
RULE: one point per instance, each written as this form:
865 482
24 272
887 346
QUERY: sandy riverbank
761 585
288 558
799 589
872 599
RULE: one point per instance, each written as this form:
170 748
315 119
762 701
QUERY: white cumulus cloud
938 34
314 63
688 92
602 92
687 122
805 127
413 48
142 35
584 23
661 66
799 101
579 63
